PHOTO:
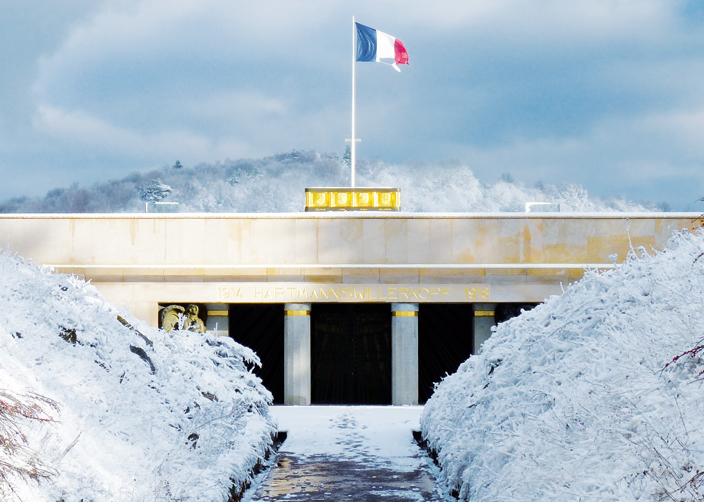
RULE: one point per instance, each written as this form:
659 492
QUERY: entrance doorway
261 328
444 342
506 311
351 353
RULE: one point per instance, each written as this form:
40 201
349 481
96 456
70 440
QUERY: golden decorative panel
352 198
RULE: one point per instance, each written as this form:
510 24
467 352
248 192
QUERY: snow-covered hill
277 184
143 415
594 395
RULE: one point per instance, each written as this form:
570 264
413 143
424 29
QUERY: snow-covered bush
141 414
594 395
17 460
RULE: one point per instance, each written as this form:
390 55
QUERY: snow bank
594 395
144 415
277 184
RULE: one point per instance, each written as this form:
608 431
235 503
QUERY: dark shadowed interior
261 328
444 342
506 311
351 353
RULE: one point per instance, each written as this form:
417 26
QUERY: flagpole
353 138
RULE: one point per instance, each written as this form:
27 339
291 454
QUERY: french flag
375 45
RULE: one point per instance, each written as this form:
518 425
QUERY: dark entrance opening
261 328
444 342
506 311
351 353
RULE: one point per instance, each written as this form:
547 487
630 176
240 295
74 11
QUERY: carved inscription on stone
476 294
353 293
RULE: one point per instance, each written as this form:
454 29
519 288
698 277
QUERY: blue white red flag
375 45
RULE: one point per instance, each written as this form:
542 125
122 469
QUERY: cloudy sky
607 94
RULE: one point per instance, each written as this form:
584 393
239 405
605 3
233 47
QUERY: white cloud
658 155
237 105
186 27
682 128
93 132
278 31
538 21
205 80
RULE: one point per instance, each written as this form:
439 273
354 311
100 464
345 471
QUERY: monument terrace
347 307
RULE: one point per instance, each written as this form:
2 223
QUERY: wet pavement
347 453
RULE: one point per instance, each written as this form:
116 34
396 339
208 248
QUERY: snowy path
343 453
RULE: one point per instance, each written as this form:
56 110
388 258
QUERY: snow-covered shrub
142 414
17 460
594 395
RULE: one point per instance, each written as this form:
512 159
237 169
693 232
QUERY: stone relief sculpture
176 317
193 322
171 317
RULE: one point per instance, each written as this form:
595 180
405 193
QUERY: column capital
217 318
484 319
484 309
297 309
404 309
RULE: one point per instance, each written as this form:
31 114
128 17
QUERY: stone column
404 353
147 311
483 321
218 321
297 390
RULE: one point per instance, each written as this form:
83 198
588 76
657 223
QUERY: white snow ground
594 395
342 453
148 417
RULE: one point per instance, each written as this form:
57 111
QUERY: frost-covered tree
507 177
154 191
277 184
347 157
